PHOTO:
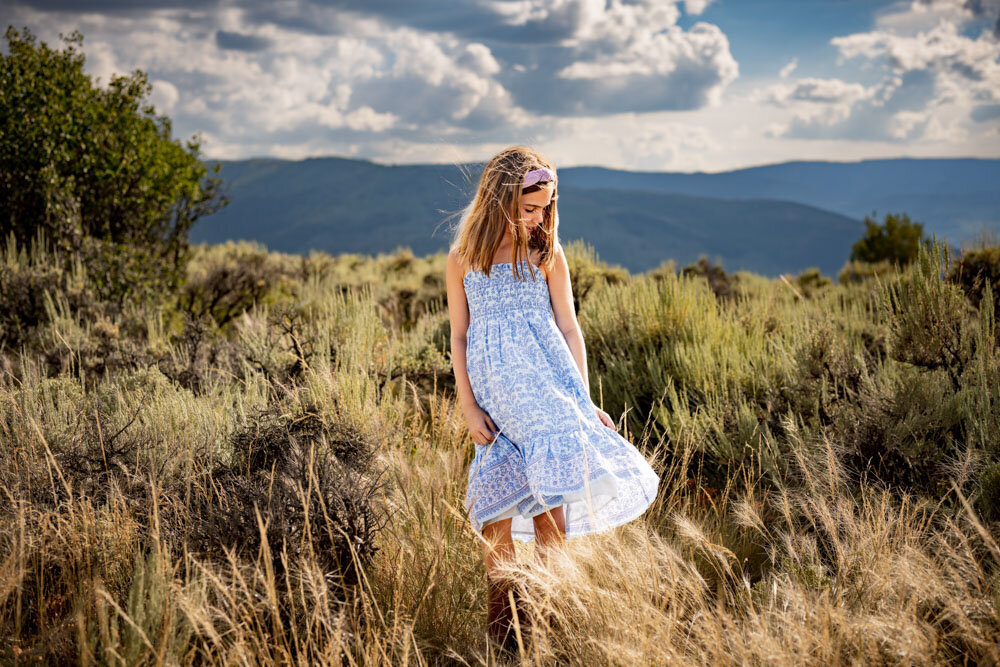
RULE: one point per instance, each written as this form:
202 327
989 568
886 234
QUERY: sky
661 85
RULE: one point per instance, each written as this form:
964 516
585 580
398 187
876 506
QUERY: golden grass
788 562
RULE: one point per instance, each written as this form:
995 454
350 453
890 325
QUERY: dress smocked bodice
504 293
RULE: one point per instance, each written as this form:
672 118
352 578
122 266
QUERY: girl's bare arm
458 315
561 295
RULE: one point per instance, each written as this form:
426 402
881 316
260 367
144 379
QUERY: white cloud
906 124
823 91
478 58
636 59
164 96
615 82
932 82
613 56
941 48
696 6
102 62
820 103
660 53
913 16
564 18
366 118
789 68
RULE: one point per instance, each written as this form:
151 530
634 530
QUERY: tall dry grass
136 528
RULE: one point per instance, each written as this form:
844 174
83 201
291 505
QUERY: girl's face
533 207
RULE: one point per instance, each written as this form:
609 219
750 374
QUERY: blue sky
675 85
765 34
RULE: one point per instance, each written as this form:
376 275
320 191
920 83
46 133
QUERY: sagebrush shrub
309 480
930 321
586 271
854 272
29 277
722 284
973 269
225 280
811 281
989 492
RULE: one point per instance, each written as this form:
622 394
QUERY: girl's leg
550 530
498 548
550 534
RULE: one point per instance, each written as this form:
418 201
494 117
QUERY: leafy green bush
96 169
897 240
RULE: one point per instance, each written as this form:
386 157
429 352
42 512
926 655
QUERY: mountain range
771 219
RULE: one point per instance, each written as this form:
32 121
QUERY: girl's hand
481 427
605 418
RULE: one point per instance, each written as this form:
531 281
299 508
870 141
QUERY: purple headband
537 176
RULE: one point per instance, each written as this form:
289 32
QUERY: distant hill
639 229
952 197
765 219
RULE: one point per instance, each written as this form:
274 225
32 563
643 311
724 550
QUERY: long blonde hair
497 205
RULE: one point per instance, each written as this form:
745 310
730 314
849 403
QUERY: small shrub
929 318
721 283
811 281
973 269
854 272
904 433
586 271
988 502
666 268
28 277
826 376
267 440
897 240
225 280
311 481
277 344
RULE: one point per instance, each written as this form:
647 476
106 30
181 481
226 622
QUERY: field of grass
269 466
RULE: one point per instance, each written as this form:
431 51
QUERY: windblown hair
497 206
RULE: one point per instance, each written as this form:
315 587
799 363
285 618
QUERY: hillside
952 197
640 229
342 205
772 219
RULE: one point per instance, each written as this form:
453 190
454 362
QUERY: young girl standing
549 464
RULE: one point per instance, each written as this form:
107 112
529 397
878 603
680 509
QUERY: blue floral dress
552 448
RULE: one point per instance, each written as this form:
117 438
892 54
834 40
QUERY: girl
549 464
